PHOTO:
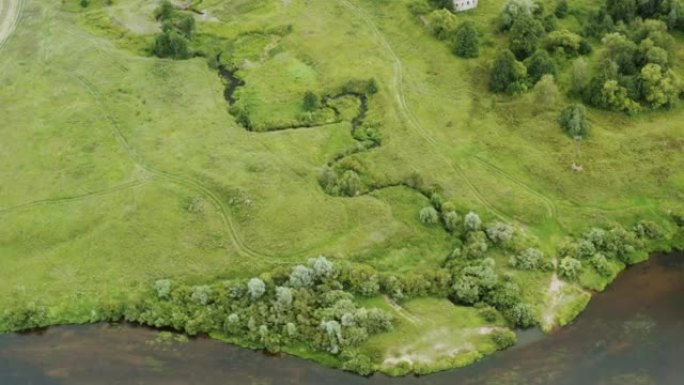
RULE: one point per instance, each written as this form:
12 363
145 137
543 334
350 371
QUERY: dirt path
401 311
43 202
190 183
413 123
10 12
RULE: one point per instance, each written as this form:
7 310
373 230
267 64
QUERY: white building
464 5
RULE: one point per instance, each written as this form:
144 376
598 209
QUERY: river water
632 334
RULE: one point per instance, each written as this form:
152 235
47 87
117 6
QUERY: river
632 334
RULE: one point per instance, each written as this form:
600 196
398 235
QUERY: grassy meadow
118 169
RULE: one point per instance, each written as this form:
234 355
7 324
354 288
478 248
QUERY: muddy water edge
632 334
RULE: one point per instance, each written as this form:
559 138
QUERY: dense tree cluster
312 304
444 25
634 72
177 29
598 247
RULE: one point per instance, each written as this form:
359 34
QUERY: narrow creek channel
633 334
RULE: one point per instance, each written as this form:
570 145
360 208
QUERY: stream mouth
632 334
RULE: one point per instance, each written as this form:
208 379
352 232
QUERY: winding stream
633 334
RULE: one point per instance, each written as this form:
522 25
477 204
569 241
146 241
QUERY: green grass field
117 169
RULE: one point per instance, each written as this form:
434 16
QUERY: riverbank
631 333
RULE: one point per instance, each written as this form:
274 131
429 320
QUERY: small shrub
256 288
489 314
570 268
600 263
522 315
310 102
499 232
472 222
503 338
163 288
562 9
529 259
467 41
452 221
429 216
201 295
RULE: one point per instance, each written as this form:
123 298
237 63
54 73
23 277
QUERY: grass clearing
118 169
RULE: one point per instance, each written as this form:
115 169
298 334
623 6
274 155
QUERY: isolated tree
467 40
573 120
508 75
525 35
429 216
310 102
540 64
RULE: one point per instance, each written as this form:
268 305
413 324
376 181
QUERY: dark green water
633 334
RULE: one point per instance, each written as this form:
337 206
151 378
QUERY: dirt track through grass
240 246
413 123
10 12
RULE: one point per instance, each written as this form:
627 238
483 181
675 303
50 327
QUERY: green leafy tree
310 102
570 268
562 9
621 51
499 232
256 288
350 183
171 44
546 93
580 75
569 42
164 11
659 88
573 120
622 10
442 23
467 41
529 259
504 339
540 64
429 216
513 9
472 222
452 221
508 75
525 35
